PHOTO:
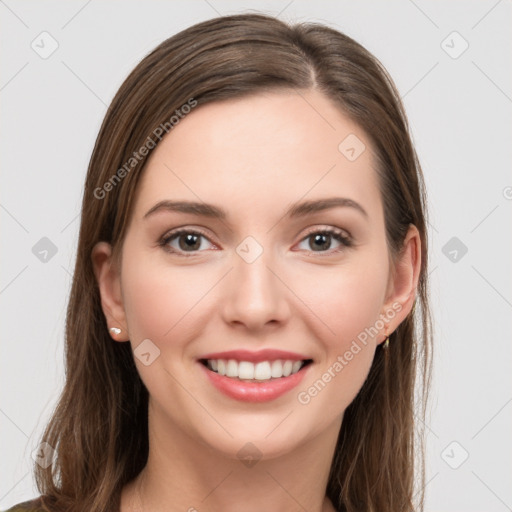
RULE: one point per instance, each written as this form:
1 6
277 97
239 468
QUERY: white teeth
262 371
245 370
277 369
232 368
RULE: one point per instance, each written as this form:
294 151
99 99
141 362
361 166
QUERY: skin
253 157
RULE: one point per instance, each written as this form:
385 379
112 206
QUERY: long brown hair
99 426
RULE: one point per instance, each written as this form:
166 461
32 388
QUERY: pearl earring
115 331
386 343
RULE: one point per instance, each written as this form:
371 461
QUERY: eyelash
338 235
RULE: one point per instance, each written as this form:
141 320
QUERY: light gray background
460 114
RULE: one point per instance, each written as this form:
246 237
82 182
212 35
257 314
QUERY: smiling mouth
247 371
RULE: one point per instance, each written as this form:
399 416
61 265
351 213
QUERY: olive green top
26 506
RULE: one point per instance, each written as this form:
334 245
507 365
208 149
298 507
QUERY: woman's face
263 276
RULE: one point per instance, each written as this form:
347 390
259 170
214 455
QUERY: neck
184 474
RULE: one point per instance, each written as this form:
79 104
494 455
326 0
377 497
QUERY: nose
255 296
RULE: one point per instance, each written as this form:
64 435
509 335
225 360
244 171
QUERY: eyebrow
294 211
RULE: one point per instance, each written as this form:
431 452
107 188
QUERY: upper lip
268 354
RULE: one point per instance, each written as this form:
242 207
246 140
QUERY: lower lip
253 391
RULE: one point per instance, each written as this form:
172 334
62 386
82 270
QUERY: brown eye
322 240
183 241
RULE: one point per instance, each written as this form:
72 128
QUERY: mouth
256 372
249 376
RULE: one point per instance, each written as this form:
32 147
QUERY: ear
403 282
109 283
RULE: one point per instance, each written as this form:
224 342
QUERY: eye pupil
322 236
191 241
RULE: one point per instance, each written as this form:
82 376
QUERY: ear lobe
109 284
404 280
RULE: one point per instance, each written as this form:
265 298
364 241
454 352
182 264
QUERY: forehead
268 148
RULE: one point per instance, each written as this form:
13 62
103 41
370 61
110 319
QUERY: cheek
157 300
350 307
164 306
347 299
359 304
348 303
357 325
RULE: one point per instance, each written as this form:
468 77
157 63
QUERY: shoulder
33 505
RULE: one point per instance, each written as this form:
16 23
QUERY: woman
241 333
